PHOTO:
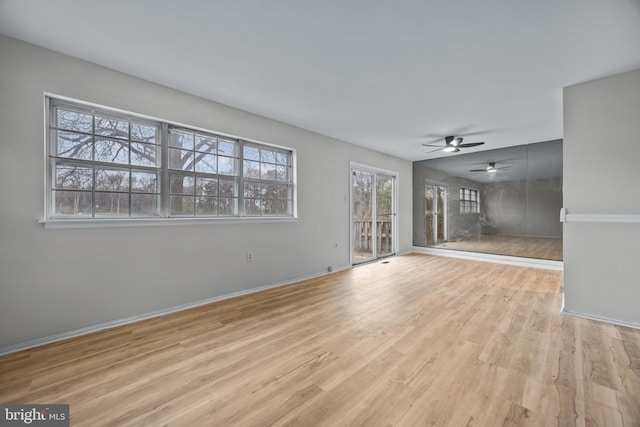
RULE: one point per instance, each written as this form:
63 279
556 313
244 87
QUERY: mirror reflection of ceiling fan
453 144
491 168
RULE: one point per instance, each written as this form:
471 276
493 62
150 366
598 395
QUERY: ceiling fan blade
470 144
478 170
433 145
433 151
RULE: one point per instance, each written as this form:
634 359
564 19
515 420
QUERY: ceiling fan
491 168
453 144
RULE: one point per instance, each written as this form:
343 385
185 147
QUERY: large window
469 201
203 174
112 165
267 180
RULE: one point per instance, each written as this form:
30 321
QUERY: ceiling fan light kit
491 168
453 144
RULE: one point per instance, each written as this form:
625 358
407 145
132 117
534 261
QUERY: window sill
52 224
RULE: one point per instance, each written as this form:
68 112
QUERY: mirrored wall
505 201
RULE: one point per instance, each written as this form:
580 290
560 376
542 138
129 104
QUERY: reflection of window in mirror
469 201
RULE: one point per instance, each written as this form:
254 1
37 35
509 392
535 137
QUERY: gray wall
543 209
52 281
504 205
523 208
601 176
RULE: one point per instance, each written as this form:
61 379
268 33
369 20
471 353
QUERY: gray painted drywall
601 268
53 281
504 205
523 208
543 207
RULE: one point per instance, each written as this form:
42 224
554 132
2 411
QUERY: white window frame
464 200
51 221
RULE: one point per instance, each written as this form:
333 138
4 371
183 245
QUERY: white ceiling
388 75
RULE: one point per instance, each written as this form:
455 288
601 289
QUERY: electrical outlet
249 256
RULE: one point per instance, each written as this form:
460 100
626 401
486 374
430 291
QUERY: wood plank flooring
413 340
529 247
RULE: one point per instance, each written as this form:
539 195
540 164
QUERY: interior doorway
373 213
435 212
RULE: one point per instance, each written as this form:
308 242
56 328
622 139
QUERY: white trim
609 218
45 156
373 169
499 259
156 119
53 224
601 319
156 313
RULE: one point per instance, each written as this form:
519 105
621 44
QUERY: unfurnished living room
330 213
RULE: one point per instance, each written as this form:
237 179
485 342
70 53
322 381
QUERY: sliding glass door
435 204
373 216
385 215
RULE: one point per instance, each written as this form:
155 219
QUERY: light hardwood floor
530 247
414 340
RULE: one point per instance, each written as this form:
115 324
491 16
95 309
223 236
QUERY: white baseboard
499 259
138 317
601 319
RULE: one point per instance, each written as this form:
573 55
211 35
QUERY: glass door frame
445 211
394 216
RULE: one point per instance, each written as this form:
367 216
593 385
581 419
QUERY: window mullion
164 170
129 171
241 178
93 164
